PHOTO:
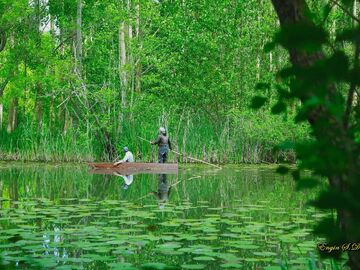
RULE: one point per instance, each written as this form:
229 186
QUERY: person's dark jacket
163 140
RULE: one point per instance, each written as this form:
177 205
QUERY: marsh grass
246 139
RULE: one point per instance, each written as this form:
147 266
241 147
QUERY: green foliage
323 77
197 66
301 36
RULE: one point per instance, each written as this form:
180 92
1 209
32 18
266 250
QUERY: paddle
115 160
192 158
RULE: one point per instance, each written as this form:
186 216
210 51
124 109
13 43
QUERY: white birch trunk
78 45
122 71
11 124
131 74
138 63
137 25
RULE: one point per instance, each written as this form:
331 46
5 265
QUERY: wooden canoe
134 168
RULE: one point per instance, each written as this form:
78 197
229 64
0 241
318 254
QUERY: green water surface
240 217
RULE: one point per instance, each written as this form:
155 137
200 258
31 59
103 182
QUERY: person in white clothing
129 157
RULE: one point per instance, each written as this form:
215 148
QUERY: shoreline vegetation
231 144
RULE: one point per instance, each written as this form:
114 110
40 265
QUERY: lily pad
158 266
231 265
193 266
204 258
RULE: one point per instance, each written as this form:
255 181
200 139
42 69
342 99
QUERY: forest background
81 79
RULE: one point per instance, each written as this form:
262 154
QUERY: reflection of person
128 179
163 193
164 144
57 240
127 158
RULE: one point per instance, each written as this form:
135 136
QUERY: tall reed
246 138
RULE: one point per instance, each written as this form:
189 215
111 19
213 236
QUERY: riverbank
242 138
18 157
247 152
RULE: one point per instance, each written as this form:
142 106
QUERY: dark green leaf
282 169
278 108
258 102
296 175
269 47
262 86
332 199
347 3
351 34
286 145
307 183
302 36
329 228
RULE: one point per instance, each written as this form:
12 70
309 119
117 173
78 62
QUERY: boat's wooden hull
134 168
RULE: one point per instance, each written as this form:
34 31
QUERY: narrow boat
134 168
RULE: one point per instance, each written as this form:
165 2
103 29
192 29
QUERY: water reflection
57 240
163 191
63 215
128 179
219 188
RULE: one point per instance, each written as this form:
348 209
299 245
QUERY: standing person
127 158
164 144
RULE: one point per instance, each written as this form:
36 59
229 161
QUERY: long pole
192 158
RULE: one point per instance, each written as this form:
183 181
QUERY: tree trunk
62 46
122 71
12 121
61 113
78 45
138 62
67 121
292 12
131 74
38 107
258 67
52 112
52 26
2 40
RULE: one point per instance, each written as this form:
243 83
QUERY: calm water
62 217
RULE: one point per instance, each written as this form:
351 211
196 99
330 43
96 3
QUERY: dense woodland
81 79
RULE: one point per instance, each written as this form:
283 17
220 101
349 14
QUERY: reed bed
248 138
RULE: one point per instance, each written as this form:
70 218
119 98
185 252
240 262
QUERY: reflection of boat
134 168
